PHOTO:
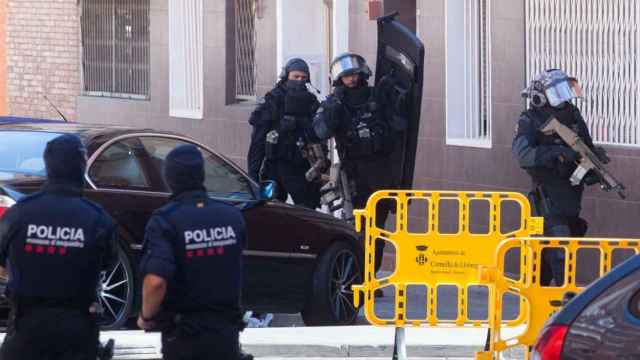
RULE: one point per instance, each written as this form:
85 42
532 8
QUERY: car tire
116 293
330 298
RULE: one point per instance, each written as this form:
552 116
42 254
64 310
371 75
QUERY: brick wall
43 45
3 58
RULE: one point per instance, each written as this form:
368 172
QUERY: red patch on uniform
211 251
39 249
62 251
28 248
189 254
51 250
220 250
200 252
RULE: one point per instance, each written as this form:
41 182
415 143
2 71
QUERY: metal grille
115 48
245 49
598 42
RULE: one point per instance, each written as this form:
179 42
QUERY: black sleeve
327 119
158 254
108 236
7 230
527 151
261 121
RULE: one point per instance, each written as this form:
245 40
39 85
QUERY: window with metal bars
598 43
115 48
468 73
245 49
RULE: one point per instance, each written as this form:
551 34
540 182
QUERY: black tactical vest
366 135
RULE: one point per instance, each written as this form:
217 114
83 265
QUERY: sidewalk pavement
346 342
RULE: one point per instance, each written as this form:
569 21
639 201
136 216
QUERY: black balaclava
295 64
357 95
65 159
184 169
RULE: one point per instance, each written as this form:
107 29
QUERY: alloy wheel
346 272
114 294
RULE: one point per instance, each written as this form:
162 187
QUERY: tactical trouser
553 260
222 344
50 334
382 213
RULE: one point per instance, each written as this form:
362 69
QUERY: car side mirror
268 190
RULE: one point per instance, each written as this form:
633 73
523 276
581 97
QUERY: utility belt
551 200
195 322
34 302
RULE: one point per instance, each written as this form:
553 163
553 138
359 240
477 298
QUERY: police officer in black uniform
192 266
367 125
54 245
550 163
281 124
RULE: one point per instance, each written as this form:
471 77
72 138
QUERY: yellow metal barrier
581 258
438 254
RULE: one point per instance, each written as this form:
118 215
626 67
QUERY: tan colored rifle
589 161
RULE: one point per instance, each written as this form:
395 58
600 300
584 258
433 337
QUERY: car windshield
21 153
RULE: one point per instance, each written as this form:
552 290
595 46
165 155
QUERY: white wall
302 33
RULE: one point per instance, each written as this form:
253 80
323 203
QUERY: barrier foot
400 345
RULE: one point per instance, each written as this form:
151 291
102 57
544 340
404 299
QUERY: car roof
84 130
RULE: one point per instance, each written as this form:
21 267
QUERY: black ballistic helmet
348 64
65 159
295 64
184 169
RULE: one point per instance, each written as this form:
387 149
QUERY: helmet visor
562 91
345 66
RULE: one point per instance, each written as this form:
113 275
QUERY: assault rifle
337 193
317 158
589 161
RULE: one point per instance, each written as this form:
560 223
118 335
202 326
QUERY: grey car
602 322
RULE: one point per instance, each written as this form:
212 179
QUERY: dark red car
297 260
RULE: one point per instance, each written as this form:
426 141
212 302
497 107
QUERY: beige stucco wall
224 127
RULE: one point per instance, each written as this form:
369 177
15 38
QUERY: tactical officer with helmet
281 124
55 233
550 162
192 266
367 124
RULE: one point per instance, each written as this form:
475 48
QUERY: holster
538 201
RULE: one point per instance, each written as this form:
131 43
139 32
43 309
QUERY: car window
21 153
119 167
221 178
